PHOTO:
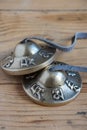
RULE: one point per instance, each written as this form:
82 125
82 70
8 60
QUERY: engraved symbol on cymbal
71 74
45 54
72 86
37 90
57 94
25 62
9 62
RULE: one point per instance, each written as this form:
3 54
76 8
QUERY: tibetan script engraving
45 54
57 94
71 74
26 62
37 90
72 86
9 62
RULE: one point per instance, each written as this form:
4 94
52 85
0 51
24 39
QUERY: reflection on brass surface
28 57
52 88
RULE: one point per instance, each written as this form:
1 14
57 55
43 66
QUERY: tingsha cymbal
28 57
52 88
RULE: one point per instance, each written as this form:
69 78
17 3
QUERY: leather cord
69 68
78 35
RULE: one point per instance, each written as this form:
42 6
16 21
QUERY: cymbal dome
26 49
52 79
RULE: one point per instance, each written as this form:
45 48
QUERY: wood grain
17 111
56 20
45 5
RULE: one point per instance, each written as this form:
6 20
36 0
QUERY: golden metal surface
28 57
52 88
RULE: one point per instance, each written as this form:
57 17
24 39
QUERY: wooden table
55 19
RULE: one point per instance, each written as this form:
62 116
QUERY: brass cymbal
28 57
52 88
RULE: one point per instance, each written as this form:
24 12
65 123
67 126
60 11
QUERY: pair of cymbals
40 83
